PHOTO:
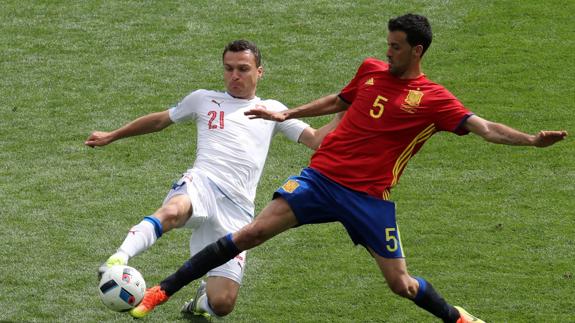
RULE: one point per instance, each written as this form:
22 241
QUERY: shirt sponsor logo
412 101
290 186
218 103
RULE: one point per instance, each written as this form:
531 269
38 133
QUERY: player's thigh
175 212
275 218
188 201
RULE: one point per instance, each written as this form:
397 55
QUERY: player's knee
223 303
169 217
403 287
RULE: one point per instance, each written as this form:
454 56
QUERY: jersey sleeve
291 128
186 109
451 115
349 92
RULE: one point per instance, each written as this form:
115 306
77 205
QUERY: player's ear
417 50
260 72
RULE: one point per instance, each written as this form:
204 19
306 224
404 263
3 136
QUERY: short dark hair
242 45
416 27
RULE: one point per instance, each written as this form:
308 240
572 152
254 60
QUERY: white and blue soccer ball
122 288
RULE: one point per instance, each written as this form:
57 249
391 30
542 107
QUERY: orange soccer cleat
154 296
465 317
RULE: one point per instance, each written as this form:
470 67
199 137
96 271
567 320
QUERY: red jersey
388 121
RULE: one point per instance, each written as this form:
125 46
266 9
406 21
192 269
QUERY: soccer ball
122 288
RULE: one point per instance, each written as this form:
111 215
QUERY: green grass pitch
492 227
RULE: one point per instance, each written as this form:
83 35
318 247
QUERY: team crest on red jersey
290 186
412 101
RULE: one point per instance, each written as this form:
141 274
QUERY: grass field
492 227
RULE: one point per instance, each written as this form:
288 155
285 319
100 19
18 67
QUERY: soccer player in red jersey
391 110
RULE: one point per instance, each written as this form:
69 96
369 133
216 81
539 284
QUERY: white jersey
231 148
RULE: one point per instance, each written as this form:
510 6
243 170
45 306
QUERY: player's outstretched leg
173 214
210 257
420 291
153 297
428 299
139 238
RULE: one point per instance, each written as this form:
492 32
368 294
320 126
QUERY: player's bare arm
313 137
149 123
501 134
326 105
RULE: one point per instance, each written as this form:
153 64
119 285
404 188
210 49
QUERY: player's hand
548 138
98 138
262 113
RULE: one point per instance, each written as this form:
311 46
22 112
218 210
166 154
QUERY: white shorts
214 215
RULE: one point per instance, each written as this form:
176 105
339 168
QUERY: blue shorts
369 221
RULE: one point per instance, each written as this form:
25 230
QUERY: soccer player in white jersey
216 195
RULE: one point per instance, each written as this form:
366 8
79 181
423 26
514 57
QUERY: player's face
400 55
241 74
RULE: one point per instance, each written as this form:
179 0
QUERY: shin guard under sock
428 299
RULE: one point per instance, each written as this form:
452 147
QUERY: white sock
141 237
205 305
